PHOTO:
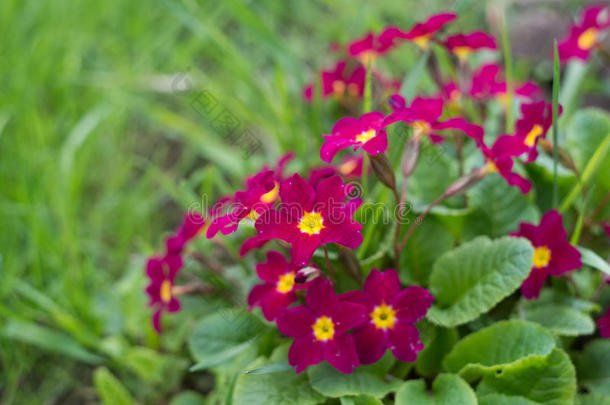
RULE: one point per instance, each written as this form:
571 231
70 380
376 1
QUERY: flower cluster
585 34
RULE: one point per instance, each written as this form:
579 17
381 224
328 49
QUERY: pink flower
604 325
162 272
499 159
350 168
342 80
392 314
371 46
423 115
451 93
553 254
190 227
535 121
320 329
487 82
585 34
278 290
260 194
423 33
308 217
366 132
462 45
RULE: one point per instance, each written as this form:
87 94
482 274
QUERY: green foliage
110 389
560 319
471 279
447 389
594 367
332 383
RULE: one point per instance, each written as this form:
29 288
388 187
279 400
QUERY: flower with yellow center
490 166
420 127
338 88
587 39
323 328
366 136
285 283
530 138
166 291
462 52
422 41
347 167
542 256
311 223
352 89
383 316
271 196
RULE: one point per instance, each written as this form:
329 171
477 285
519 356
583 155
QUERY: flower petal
564 257
412 303
404 342
377 145
275 266
383 286
349 315
371 343
341 353
321 297
304 352
533 283
296 321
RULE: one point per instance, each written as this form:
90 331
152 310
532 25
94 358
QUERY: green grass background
100 157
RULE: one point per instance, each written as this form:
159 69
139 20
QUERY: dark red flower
350 168
190 227
462 45
487 82
278 290
585 34
162 272
553 254
424 114
320 329
343 80
392 313
535 121
366 132
308 217
604 325
423 33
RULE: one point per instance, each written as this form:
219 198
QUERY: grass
100 157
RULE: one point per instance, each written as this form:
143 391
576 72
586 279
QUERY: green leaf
594 367
430 359
473 278
491 349
498 208
414 77
220 337
593 399
270 368
561 319
281 388
433 174
110 389
332 383
548 380
592 259
447 389
188 398
501 399
361 400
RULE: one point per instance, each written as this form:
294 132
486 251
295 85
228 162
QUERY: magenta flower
499 159
585 35
162 272
308 217
342 80
553 254
320 329
462 45
423 116
392 314
451 93
190 227
369 47
423 33
535 121
604 325
350 168
366 132
278 290
487 82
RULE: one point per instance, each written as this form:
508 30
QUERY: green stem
508 68
556 79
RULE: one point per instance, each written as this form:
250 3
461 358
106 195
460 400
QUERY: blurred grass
100 156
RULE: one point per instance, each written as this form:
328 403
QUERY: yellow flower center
347 167
367 57
338 88
420 127
422 41
491 167
542 256
366 136
587 39
285 283
352 89
271 196
462 52
311 223
530 138
324 328
383 316
166 291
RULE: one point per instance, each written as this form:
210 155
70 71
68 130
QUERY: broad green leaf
430 359
361 400
219 337
497 208
473 278
447 389
110 389
332 383
561 319
281 388
434 172
592 259
593 399
270 368
491 349
553 297
154 367
188 398
501 399
548 380
594 366
414 77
